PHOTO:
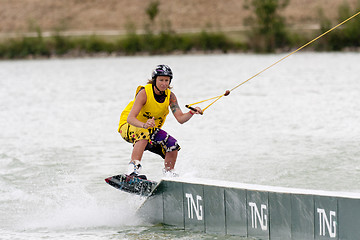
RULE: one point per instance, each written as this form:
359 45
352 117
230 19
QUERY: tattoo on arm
174 106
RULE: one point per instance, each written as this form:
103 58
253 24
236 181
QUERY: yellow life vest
151 109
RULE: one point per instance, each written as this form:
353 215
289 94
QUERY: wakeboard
132 184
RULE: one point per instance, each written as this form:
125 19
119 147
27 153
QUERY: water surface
295 125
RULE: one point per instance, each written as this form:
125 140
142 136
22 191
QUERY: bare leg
170 160
138 150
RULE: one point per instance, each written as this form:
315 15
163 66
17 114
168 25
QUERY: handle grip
193 109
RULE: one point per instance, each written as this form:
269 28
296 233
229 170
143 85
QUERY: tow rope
227 92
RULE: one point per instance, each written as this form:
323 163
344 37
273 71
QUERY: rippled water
295 125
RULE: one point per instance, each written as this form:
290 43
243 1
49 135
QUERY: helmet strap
161 92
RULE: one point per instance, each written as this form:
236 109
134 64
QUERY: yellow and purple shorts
159 141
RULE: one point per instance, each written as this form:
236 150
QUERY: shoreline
145 54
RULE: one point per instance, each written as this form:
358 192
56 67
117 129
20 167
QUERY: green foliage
61 44
213 41
351 30
25 47
152 10
268 26
131 45
348 36
162 43
94 44
267 35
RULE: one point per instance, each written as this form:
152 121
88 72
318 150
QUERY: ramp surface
253 211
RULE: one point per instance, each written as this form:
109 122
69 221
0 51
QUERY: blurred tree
345 37
268 28
152 10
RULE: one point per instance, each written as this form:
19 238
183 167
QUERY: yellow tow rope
227 92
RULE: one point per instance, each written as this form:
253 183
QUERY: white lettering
260 216
192 206
325 222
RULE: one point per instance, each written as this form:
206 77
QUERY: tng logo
258 216
194 206
327 223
